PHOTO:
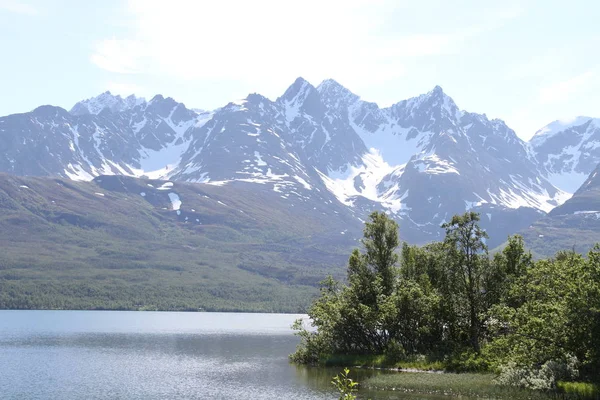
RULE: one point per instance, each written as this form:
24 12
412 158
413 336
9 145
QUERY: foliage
580 390
533 323
551 316
385 361
544 377
345 385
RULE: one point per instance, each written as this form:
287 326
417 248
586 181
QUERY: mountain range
421 160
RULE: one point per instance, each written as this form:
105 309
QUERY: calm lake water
154 355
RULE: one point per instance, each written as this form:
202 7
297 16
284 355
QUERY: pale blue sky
527 62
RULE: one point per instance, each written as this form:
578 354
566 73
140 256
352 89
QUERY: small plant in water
345 385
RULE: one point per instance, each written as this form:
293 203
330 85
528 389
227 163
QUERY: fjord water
153 355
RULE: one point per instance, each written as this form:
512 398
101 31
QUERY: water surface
154 355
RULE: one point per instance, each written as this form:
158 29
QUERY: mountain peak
558 126
158 97
331 85
300 88
300 81
437 90
334 94
435 102
106 100
438 93
330 82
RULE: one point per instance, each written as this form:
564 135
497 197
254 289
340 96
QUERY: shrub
544 377
345 385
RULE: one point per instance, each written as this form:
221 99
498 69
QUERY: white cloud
563 91
548 63
117 55
268 41
18 7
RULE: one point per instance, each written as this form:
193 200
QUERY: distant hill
125 243
573 225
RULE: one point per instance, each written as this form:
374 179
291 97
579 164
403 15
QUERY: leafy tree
534 321
381 241
583 310
356 318
508 265
466 270
551 318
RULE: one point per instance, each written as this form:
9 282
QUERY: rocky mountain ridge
421 160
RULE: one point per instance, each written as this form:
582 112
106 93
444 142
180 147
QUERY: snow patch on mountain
394 143
175 201
558 126
365 180
77 173
433 164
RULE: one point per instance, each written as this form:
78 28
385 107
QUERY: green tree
538 327
467 269
367 302
381 241
589 304
357 318
507 266
550 319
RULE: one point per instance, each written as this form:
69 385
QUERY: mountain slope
136 141
568 151
429 160
127 243
573 225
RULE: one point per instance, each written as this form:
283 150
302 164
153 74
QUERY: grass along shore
421 376
472 385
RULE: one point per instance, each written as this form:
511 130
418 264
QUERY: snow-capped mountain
106 100
428 160
422 159
572 225
568 151
147 139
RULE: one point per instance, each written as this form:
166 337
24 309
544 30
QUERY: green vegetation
451 384
522 323
579 389
64 246
383 361
345 385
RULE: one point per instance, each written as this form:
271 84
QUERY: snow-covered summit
430 108
106 100
334 95
558 126
567 151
